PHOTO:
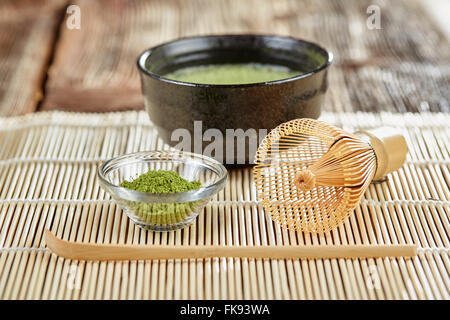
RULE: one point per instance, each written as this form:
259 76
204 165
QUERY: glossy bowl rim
144 55
187 196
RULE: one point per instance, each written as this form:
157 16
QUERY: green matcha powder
161 181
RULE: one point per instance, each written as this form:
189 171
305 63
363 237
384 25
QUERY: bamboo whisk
311 175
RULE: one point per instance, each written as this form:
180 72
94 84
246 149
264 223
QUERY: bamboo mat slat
48 164
401 67
27 31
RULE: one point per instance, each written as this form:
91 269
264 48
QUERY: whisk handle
389 146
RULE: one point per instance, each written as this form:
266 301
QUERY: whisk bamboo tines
311 175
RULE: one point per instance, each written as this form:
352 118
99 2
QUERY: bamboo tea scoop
101 252
311 175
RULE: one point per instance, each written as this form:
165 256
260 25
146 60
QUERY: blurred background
81 55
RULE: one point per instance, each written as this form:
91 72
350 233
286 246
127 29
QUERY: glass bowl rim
177 197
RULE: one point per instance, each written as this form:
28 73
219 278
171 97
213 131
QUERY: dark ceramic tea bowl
174 105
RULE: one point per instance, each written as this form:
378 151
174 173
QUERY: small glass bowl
162 211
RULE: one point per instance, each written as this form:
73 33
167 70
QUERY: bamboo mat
48 164
401 67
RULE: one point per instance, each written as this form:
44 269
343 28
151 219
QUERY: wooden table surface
45 65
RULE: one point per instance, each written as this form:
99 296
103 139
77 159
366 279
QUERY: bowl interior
295 54
211 174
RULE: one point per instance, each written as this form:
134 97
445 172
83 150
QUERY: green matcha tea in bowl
232 73
232 82
162 190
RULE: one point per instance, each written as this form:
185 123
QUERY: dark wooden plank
402 67
27 30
